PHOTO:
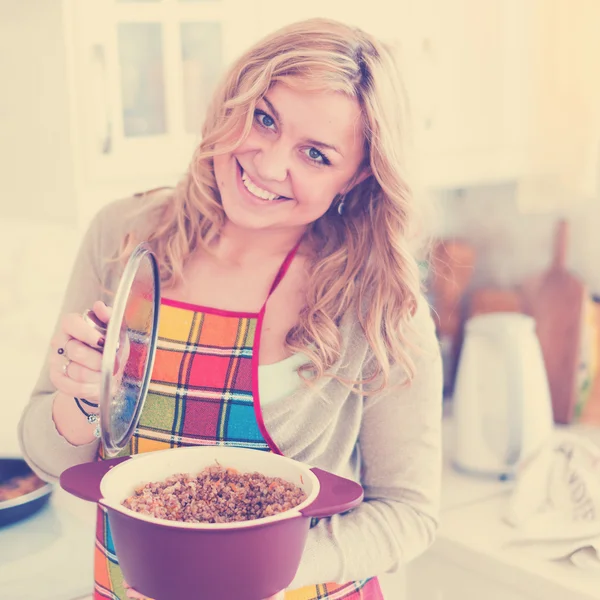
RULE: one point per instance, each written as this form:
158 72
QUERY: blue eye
315 154
317 157
264 119
267 121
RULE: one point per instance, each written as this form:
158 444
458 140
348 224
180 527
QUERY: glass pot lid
128 355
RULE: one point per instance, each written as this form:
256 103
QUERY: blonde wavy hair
360 261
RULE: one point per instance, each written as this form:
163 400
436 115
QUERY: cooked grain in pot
216 495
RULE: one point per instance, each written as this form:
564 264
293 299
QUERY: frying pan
21 507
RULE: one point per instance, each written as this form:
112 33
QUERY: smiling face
304 149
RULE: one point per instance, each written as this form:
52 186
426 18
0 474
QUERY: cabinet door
465 62
379 17
143 73
573 134
469 75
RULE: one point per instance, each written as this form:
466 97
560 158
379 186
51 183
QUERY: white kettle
501 407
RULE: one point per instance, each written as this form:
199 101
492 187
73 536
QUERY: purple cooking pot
168 560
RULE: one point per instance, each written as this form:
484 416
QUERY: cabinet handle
429 66
98 60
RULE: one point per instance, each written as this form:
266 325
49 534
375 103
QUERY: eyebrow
311 142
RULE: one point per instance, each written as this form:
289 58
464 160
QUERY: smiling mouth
260 193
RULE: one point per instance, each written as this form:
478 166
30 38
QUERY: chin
238 215
243 221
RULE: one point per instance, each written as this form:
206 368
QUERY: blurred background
105 98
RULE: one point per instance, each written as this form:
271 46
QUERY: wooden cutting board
555 299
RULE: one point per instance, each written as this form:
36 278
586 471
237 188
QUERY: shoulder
420 339
420 330
420 382
137 215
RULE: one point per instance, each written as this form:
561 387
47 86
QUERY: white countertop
50 555
473 533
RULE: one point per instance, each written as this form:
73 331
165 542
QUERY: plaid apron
204 391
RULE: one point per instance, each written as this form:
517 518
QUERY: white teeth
253 189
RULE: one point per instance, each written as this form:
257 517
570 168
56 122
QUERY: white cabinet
371 15
467 64
570 132
468 68
142 73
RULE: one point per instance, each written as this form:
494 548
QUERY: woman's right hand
75 365
77 355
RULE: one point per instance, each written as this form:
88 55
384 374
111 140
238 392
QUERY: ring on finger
65 367
62 351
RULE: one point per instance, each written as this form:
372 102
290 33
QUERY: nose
272 162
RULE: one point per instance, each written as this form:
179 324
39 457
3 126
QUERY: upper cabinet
143 72
467 66
479 77
569 129
468 69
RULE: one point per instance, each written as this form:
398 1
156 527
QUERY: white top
279 380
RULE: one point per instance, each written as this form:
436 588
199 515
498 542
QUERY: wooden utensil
452 266
490 300
555 300
591 411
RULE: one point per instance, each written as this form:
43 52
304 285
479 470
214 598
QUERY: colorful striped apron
204 391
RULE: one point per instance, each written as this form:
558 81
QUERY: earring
340 207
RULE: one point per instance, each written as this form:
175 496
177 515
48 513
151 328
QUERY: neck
237 245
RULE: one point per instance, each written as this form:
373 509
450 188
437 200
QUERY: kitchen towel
555 505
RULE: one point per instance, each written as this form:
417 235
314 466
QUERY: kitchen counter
468 560
49 556
473 536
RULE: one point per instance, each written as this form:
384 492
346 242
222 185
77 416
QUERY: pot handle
336 495
84 480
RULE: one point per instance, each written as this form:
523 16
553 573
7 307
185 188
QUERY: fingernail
101 342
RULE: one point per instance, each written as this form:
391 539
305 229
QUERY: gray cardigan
389 441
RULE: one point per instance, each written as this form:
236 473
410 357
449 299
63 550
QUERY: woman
288 239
